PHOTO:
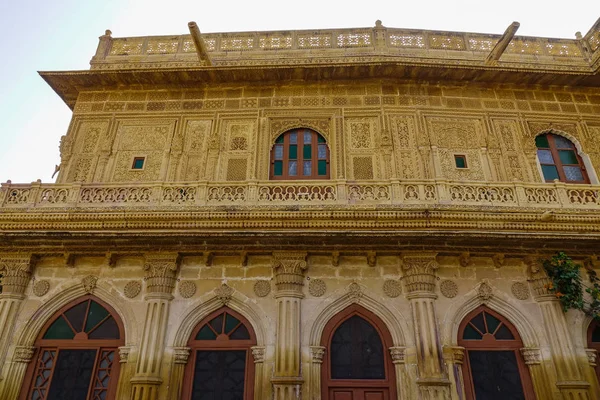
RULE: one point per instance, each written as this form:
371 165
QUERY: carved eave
68 84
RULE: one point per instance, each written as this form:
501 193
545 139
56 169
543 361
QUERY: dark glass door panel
219 375
72 375
495 375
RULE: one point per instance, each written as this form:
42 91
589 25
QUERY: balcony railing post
201 196
443 191
396 191
561 193
252 191
521 197
342 192
35 191
75 194
4 188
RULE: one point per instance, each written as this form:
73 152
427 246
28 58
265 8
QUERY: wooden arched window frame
224 338
77 350
559 159
299 154
487 335
357 387
593 339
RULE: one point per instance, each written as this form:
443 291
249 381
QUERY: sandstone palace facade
353 214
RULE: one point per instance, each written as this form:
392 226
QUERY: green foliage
569 288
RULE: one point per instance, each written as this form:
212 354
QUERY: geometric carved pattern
362 168
236 169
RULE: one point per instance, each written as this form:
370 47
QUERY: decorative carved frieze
449 288
262 288
187 289
40 288
258 352
16 271
317 353
398 354
161 272
23 354
132 289
224 293
419 272
289 269
317 287
89 283
532 355
181 355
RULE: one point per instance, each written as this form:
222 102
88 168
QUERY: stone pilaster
16 272
258 353
570 380
289 269
180 357
454 357
316 361
11 386
419 279
539 377
161 275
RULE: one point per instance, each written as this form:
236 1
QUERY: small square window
138 163
460 161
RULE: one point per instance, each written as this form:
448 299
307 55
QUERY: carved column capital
124 352
16 271
258 352
592 355
454 354
23 354
181 355
161 272
317 353
532 355
419 273
289 269
398 354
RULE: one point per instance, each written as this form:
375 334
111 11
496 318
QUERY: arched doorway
221 364
494 368
357 365
76 354
593 339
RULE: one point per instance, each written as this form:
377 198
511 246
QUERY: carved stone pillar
289 269
258 352
454 356
11 386
419 279
181 356
570 380
316 361
539 377
398 355
16 273
161 275
592 356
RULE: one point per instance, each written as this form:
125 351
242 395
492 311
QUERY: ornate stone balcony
343 194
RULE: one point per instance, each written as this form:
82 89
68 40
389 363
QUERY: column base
287 388
145 387
434 388
574 389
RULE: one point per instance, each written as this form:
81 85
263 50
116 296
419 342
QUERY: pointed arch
458 311
397 327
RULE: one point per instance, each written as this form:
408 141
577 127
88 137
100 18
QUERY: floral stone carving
485 291
262 288
449 288
132 289
187 289
224 293
89 283
41 288
355 291
392 288
317 287
520 290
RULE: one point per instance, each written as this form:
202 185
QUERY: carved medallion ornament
485 291
392 288
449 288
224 293
262 288
520 290
89 283
41 288
317 287
132 289
187 289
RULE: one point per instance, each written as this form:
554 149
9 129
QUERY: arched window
493 367
594 343
358 364
559 159
221 364
300 154
76 354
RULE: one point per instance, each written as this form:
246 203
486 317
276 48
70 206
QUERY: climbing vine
569 288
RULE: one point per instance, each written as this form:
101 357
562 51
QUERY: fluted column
10 387
539 377
570 380
161 275
419 279
454 357
16 273
316 361
289 269
180 359
258 353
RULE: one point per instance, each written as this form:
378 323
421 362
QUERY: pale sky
58 35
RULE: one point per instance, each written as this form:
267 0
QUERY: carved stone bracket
224 293
371 258
258 352
23 354
244 258
69 259
419 272
124 353
111 259
181 355
16 271
335 258
592 355
289 269
317 353
161 272
498 260
532 355
538 277
398 354
207 258
464 259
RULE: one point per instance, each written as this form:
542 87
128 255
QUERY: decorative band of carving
258 352
317 353
16 272
289 269
181 355
532 355
161 272
419 272
398 354
23 354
